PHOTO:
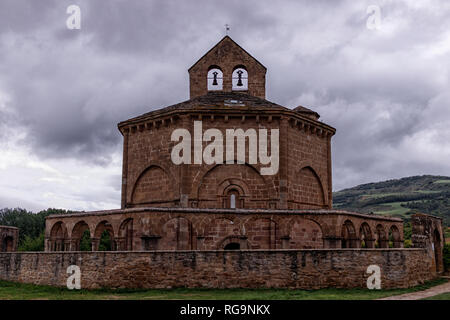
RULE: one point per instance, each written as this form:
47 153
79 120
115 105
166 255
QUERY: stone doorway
232 246
7 244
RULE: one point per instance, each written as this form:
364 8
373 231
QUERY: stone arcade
179 222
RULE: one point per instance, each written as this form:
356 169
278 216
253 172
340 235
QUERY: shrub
408 243
33 244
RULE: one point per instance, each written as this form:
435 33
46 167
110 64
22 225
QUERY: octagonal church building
226 169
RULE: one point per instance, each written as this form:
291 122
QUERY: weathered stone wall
303 180
302 269
428 233
309 168
9 238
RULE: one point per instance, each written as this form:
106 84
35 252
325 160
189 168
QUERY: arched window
348 235
215 78
233 200
82 237
58 237
365 236
104 237
125 239
240 78
394 238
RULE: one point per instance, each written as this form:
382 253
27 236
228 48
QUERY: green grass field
393 208
444 296
18 291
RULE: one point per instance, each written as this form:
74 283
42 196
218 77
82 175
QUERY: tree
86 242
31 225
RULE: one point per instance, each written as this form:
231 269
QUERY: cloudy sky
385 87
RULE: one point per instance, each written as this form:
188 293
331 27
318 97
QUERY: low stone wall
303 269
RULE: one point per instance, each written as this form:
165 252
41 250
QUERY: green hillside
399 197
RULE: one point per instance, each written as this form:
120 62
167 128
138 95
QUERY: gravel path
431 292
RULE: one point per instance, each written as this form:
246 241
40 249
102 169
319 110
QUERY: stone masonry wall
308 169
303 180
302 269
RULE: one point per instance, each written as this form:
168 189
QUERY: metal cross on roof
227 28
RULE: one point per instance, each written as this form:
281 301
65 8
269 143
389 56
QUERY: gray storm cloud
385 91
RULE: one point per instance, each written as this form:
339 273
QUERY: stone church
226 206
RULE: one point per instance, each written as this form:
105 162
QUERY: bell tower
227 67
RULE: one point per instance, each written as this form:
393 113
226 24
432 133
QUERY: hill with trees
399 197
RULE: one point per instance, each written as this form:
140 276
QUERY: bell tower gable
227 67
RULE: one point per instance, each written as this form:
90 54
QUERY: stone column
200 242
285 242
370 243
121 244
383 243
95 242
329 172
183 170
243 242
47 244
283 163
124 168
59 245
67 245
74 245
398 244
332 242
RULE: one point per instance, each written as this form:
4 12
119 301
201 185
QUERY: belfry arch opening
239 78
215 78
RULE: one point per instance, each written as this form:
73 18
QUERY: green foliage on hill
447 257
31 226
399 197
